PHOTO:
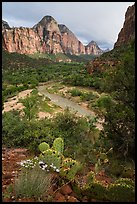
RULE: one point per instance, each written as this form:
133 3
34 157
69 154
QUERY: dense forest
67 141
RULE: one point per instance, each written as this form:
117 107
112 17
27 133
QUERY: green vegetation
120 118
66 125
122 190
75 92
111 150
53 157
33 184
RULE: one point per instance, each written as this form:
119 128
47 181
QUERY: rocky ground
11 167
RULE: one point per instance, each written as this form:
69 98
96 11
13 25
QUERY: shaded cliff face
128 31
69 42
45 37
92 48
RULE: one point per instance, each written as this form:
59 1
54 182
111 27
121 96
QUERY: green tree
30 108
120 118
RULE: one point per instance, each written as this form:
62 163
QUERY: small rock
66 190
22 156
72 199
19 150
59 197
7 176
7 200
8 181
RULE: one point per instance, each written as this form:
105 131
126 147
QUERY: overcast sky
98 21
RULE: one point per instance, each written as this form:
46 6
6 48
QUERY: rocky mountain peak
45 20
92 43
93 48
49 32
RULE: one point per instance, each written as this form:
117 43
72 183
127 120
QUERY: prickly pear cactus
58 145
127 181
69 168
51 158
43 146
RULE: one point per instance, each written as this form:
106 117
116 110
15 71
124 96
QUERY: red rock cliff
69 42
128 31
45 37
21 40
92 48
49 33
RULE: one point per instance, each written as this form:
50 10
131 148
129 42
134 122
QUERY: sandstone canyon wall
69 42
47 36
128 31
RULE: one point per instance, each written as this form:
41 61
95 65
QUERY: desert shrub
104 101
87 96
74 131
115 168
129 170
18 132
32 183
75 92
13 128
121 192
95 190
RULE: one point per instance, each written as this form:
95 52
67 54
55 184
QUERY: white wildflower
51 165
57 170
41 162
43 168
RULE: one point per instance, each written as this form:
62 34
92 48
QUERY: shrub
115 168
104 101
87 96
75 92
121 192
32 184
95 190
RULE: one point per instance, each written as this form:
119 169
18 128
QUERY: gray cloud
98 21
